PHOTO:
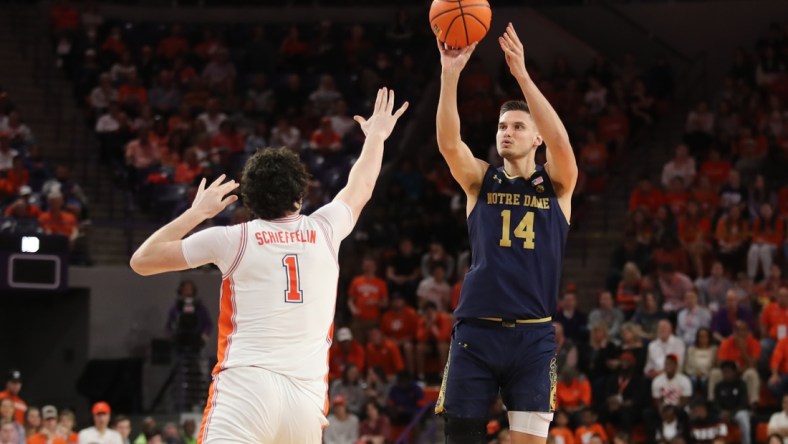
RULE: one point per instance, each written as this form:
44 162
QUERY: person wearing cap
345 350
342 425
48 433
13 386
22 207
100 433
671 387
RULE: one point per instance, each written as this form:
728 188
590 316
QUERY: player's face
517 135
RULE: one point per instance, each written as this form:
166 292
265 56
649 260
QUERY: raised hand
211 201
513 51
382 120
454 60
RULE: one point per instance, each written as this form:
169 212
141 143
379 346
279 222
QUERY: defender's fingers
401 110
390 103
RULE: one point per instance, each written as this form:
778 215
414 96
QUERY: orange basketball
458 23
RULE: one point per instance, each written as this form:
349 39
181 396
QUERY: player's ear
538 140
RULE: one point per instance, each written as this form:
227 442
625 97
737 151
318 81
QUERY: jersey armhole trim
239 255
321 223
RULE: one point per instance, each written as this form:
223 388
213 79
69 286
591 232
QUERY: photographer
188 322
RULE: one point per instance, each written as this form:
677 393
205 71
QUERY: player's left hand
382 120
513 51
211 201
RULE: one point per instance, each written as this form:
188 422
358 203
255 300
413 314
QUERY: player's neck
523 167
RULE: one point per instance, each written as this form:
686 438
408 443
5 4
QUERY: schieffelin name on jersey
286 237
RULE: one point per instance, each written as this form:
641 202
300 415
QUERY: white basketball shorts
253 405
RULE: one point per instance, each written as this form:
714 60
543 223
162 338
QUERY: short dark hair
514 105
273 182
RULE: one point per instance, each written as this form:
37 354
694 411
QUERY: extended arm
466 169
561 163
162 251
364 174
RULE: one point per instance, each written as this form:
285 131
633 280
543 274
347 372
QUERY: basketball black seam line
464 27
480 22
443 13
475 5
451 23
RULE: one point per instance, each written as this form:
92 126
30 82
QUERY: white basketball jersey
279 287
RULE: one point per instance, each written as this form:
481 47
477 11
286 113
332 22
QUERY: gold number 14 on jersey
523 230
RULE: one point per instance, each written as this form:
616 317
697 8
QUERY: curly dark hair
273 182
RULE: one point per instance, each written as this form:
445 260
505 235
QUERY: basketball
459 23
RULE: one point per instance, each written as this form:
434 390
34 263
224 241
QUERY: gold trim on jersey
442 392
553 382
523 321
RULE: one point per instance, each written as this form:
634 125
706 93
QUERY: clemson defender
279 279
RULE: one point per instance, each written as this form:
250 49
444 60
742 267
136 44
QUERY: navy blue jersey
517 234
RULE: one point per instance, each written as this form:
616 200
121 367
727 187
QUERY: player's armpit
467 170
158 258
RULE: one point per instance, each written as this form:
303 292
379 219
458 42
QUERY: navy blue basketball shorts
486 358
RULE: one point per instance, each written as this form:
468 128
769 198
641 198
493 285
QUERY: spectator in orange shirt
742 348
23 207
114 44
57 221
399 324
646 196
573 392
189 168
367 296
695 236
561 431
174 44
593 161
778 382
325 140
774 325
64 17
767 235
707 196
589 427
133 95
13 385
385 353
715 168
677 196
613 127
228 137
67 420
343 352
433 335
48 432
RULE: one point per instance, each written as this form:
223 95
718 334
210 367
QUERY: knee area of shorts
532 423
465 430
